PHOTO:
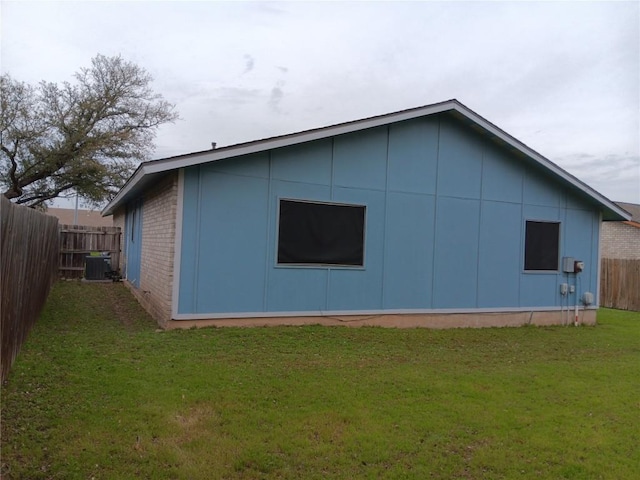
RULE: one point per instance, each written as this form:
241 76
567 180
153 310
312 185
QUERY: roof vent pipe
213 145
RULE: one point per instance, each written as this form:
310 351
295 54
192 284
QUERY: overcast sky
562 77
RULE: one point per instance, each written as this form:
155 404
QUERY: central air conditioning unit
96 267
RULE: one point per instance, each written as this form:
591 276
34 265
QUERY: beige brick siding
620 240
158 247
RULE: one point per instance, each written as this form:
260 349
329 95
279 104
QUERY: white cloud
562 77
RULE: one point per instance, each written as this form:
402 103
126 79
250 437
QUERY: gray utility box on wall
568 265
97 267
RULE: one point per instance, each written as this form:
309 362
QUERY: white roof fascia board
133 180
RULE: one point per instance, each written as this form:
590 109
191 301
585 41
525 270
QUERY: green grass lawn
98 392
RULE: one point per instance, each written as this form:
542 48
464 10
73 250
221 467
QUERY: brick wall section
158 248
620 240
118 221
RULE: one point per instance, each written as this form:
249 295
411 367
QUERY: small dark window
541 245
321 233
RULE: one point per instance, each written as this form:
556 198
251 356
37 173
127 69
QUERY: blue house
431 216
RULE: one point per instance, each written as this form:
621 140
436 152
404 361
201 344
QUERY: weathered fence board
78 241
29 266
620 284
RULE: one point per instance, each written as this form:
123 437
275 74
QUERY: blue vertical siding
408 260
360 160
459 161
456 260
445 216
133 242
231 241
413 156
501 176
499 256
578 243
286 163
538 190
539 289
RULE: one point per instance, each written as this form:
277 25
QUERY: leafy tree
86 137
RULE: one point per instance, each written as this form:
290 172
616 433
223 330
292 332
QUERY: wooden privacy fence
620 284
29 266
78 241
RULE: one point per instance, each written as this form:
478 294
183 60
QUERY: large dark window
541 247
321 233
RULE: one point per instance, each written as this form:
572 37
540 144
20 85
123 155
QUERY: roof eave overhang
611 210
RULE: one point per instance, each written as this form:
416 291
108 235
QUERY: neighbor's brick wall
158 247
119 221
620 240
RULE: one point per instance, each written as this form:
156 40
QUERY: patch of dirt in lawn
197 421
123 306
